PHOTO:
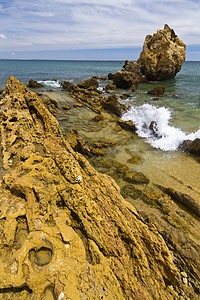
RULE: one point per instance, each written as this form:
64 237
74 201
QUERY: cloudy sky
93 29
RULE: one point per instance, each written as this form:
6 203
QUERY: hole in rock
41 256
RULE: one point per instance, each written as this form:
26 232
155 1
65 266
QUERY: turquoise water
177 113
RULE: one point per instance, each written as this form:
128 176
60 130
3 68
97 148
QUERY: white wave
165 136
51 83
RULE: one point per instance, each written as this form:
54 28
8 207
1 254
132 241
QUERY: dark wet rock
102 143
100 77
175 96
112 105
103 163
34 84
126 80
127 125
192 147
68 86
97 151
135 159
154 128
136 177
110 86
98 118
125 96
107 142
129 76
163 55
161 200
110 76
157 91
91 83
190 203
130 191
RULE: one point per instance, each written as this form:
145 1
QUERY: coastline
123 153
72 214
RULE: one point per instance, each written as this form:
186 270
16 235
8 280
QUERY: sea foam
167 138
51 83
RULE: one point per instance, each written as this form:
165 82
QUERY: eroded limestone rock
163 55
64 227
129 76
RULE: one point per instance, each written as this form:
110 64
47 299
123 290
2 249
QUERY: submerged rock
157 91
136 177
185 199
64 228
163 55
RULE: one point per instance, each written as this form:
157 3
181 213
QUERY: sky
93 29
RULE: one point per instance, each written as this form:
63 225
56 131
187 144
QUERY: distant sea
177 113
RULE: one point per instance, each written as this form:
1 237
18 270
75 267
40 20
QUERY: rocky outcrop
91 83
110 86
113 106
192 147
65 230
34 84
129 76
163 55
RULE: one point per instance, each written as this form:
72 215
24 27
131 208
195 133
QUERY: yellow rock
65 230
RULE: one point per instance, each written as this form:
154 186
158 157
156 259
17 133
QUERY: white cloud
3 36
87 24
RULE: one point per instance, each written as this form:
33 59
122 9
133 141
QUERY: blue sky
95 29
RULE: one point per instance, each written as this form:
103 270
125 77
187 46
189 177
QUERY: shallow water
170 169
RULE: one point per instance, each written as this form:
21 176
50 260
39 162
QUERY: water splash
163 136
51 83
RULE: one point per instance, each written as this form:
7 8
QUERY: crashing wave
153 124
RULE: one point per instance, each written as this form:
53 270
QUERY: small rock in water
157 91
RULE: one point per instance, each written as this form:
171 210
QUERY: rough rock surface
34 84
112 105
129 76
192 147
64 227
163 55
157 91
91 83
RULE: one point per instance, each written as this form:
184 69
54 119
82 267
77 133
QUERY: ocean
177 114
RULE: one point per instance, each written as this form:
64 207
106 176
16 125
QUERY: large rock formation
65 230
163 54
